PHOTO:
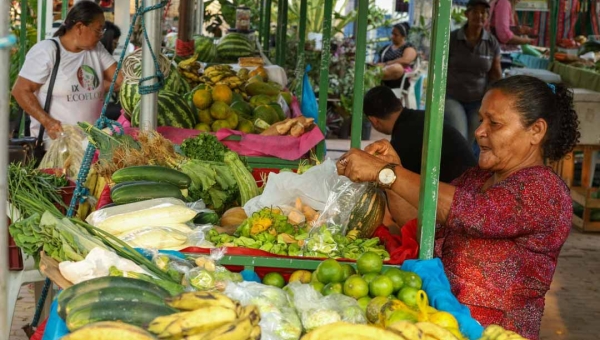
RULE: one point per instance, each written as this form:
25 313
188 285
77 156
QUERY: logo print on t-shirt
88 79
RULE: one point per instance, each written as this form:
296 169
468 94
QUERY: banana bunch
109 330
207 315
495 332
348 331
221 75
190 69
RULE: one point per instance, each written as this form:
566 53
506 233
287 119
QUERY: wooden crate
565 168
584 196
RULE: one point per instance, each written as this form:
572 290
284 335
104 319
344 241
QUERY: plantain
235 330
187 63
255 334
109 330
492 332
196 300
251 312
433 331
194 322
406 329
346 331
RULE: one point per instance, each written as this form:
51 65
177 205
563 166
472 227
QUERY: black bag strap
40 138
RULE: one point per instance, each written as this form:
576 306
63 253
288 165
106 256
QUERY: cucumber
152 173
108 294
102 282
138 314
141 191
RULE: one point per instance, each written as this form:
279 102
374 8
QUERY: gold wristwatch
387 176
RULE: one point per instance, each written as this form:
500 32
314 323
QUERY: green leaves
204 147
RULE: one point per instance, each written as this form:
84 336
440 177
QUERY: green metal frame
23 33
65 9
553 27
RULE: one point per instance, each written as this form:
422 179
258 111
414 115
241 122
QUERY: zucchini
153 173
141 191
102 282
138 314
108 294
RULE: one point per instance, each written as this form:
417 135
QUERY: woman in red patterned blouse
501 224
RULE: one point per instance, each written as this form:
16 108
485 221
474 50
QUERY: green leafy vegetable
205 147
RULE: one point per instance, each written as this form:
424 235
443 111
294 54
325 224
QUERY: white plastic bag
284 188
67 151
96 264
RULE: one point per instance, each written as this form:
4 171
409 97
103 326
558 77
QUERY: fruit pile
124 308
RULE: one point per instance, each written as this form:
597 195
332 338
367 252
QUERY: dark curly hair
536 99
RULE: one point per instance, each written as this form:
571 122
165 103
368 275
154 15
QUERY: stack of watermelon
205 48
233 46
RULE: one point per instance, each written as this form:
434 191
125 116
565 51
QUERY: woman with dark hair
110 39
501 224
78 92
397 57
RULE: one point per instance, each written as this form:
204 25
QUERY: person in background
84 65
406 127
397 57
501 224
111 37
503 23
473 64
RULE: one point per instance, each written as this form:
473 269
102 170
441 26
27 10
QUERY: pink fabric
123 120
501 19
295 106
284 147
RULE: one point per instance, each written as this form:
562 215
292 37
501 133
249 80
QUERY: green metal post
324 73
23 34
65 9
301 42
359 72
553 27
43 16
434 121
282 14
266 26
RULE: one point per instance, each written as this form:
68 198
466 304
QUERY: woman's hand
384 150
53 127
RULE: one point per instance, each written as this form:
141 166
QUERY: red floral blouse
500 247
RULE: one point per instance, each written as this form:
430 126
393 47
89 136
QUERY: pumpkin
233 217
368 212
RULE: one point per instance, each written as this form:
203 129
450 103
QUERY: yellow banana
406 329
433 331
196 300
236 330
251 312
256 333
195 322
187 63
492 331
109 330
159 324
346 331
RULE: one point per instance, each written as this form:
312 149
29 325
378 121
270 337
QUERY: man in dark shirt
406 126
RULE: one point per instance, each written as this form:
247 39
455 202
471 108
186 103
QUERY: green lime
355 286
369 262
412 280
318 286
381 286
330 271
332 287
273 279
363 302
369 277
408 295
396 276
348 271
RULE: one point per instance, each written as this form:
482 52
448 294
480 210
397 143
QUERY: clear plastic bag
316 310
174 266
151 213
66 152
208 274
172 237
278 319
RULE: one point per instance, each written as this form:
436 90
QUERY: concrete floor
572 304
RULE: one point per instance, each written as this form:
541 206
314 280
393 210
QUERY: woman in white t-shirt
78 93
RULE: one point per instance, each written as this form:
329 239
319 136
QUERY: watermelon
205 48
233 46
130 97
173 110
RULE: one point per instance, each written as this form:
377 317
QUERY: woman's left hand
360 166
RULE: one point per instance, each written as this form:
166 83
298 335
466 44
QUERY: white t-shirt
78 93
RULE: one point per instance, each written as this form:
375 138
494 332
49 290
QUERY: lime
412 280
304 276
381 286
355 286
273 279
330 271
397 278
369 262
318 286
374 308
332 287
401 315
363 302
348 271
370 277
408 295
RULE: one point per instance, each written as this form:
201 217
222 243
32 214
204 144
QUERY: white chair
410 101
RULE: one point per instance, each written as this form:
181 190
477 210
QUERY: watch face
387 176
